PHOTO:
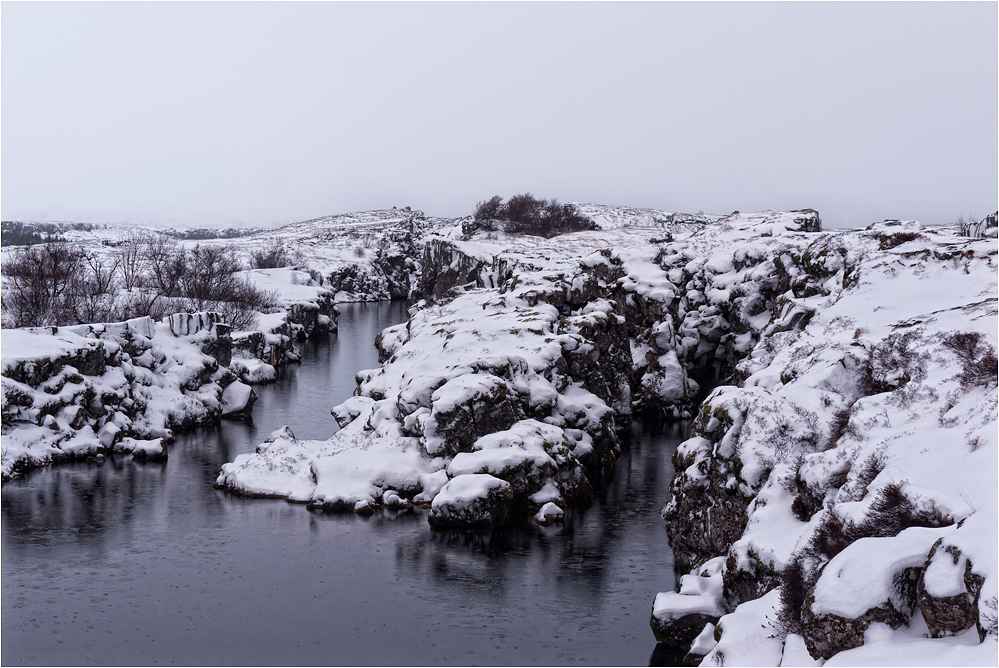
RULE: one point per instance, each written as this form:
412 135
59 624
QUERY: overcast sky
259 113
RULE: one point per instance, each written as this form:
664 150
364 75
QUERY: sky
196 113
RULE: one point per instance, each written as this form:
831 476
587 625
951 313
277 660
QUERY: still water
146 564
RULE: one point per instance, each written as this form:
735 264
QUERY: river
120 563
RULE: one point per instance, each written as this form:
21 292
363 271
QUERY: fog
266 113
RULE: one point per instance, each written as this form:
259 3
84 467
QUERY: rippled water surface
145 564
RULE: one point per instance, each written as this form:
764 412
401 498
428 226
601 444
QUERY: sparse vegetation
979 362
270 257
890 512
60 284
889 241
14 233
527 214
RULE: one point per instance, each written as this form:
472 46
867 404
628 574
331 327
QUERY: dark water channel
129 564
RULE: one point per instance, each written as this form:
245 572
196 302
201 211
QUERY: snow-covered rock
856 434
471 500
116 388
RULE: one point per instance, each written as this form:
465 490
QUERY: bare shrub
133 261
839 426
893 362
979 363
94 289
270 257
211 283
793 590
167 264
39 284
489 210
527 214
889 241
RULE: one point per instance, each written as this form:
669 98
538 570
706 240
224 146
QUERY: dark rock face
90 361
826 635
397 264
356 279
947 615
487 411
445 267
480 513
603 369
680 632
705 513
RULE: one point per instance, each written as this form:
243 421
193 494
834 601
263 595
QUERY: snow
467 487
743 642
699 594
92 390
237 397
862 576
796 653
909 647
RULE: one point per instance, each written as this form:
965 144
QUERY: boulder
471 501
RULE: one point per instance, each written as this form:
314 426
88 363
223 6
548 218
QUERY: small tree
39 286
133 261
491 209
527 214
167 264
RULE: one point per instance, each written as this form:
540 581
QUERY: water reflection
124 563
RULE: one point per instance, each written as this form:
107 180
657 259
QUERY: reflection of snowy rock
549 514
143 449
472 500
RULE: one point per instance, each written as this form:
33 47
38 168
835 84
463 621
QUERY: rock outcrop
114 389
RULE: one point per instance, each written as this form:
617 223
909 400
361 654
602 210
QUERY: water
129 564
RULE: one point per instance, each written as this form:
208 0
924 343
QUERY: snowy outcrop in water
118 388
